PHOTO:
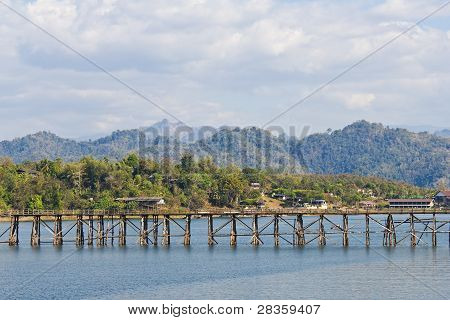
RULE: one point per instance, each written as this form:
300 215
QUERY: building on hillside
143 202
279 196
410 203
367 204
255 185
319 204
442 198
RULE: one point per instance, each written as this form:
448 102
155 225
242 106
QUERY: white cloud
360 100
216 62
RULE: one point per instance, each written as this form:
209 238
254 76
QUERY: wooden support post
210 231
166 231
91 231
367 231
36 231
14 231
345 230
187 231
276 230
433 232
79 240
143 233
233 233
299 231
322 239
57 231
155 229
389 233
112 230
412 230
255 234
123 230
100 231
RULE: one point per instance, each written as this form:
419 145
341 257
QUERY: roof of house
140 199
409 200
445 193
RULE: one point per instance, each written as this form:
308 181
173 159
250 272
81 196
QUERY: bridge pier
123 230
367 231
211 240
322 239
14 231
389 238
412 230
187 231
433 233
36 231
143 233
57 231
256 241
345 230
79 240
276 230
91 231
233 233
155 229
299 231
166 230
100 231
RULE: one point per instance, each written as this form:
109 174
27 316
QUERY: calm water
200 272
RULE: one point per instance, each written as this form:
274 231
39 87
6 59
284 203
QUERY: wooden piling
322 239
299 231
166 230
36 231
79 239
123 230
433 232
90 230
155 229
14 231
100 231
211 240
233 233
276 230
256 241
389 238
187 231
345 230
367 231
412 230
143 232
57 231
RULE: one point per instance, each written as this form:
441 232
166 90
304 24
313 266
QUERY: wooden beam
233 233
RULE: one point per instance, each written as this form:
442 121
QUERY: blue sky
221 62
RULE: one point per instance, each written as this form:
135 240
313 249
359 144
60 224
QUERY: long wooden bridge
103 227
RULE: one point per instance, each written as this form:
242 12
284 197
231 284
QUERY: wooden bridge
103 227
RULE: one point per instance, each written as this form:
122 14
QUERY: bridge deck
221 212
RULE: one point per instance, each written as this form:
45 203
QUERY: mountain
361 148
371 149
443 133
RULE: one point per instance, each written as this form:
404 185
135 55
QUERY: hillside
361 148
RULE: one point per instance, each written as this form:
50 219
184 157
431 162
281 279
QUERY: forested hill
361 148
372 149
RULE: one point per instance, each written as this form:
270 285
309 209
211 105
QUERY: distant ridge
361 148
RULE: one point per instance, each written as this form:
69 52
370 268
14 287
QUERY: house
367 204
410 203
255 185
442 198
279 196
319 204
143 202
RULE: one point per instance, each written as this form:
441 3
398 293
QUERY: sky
221 62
